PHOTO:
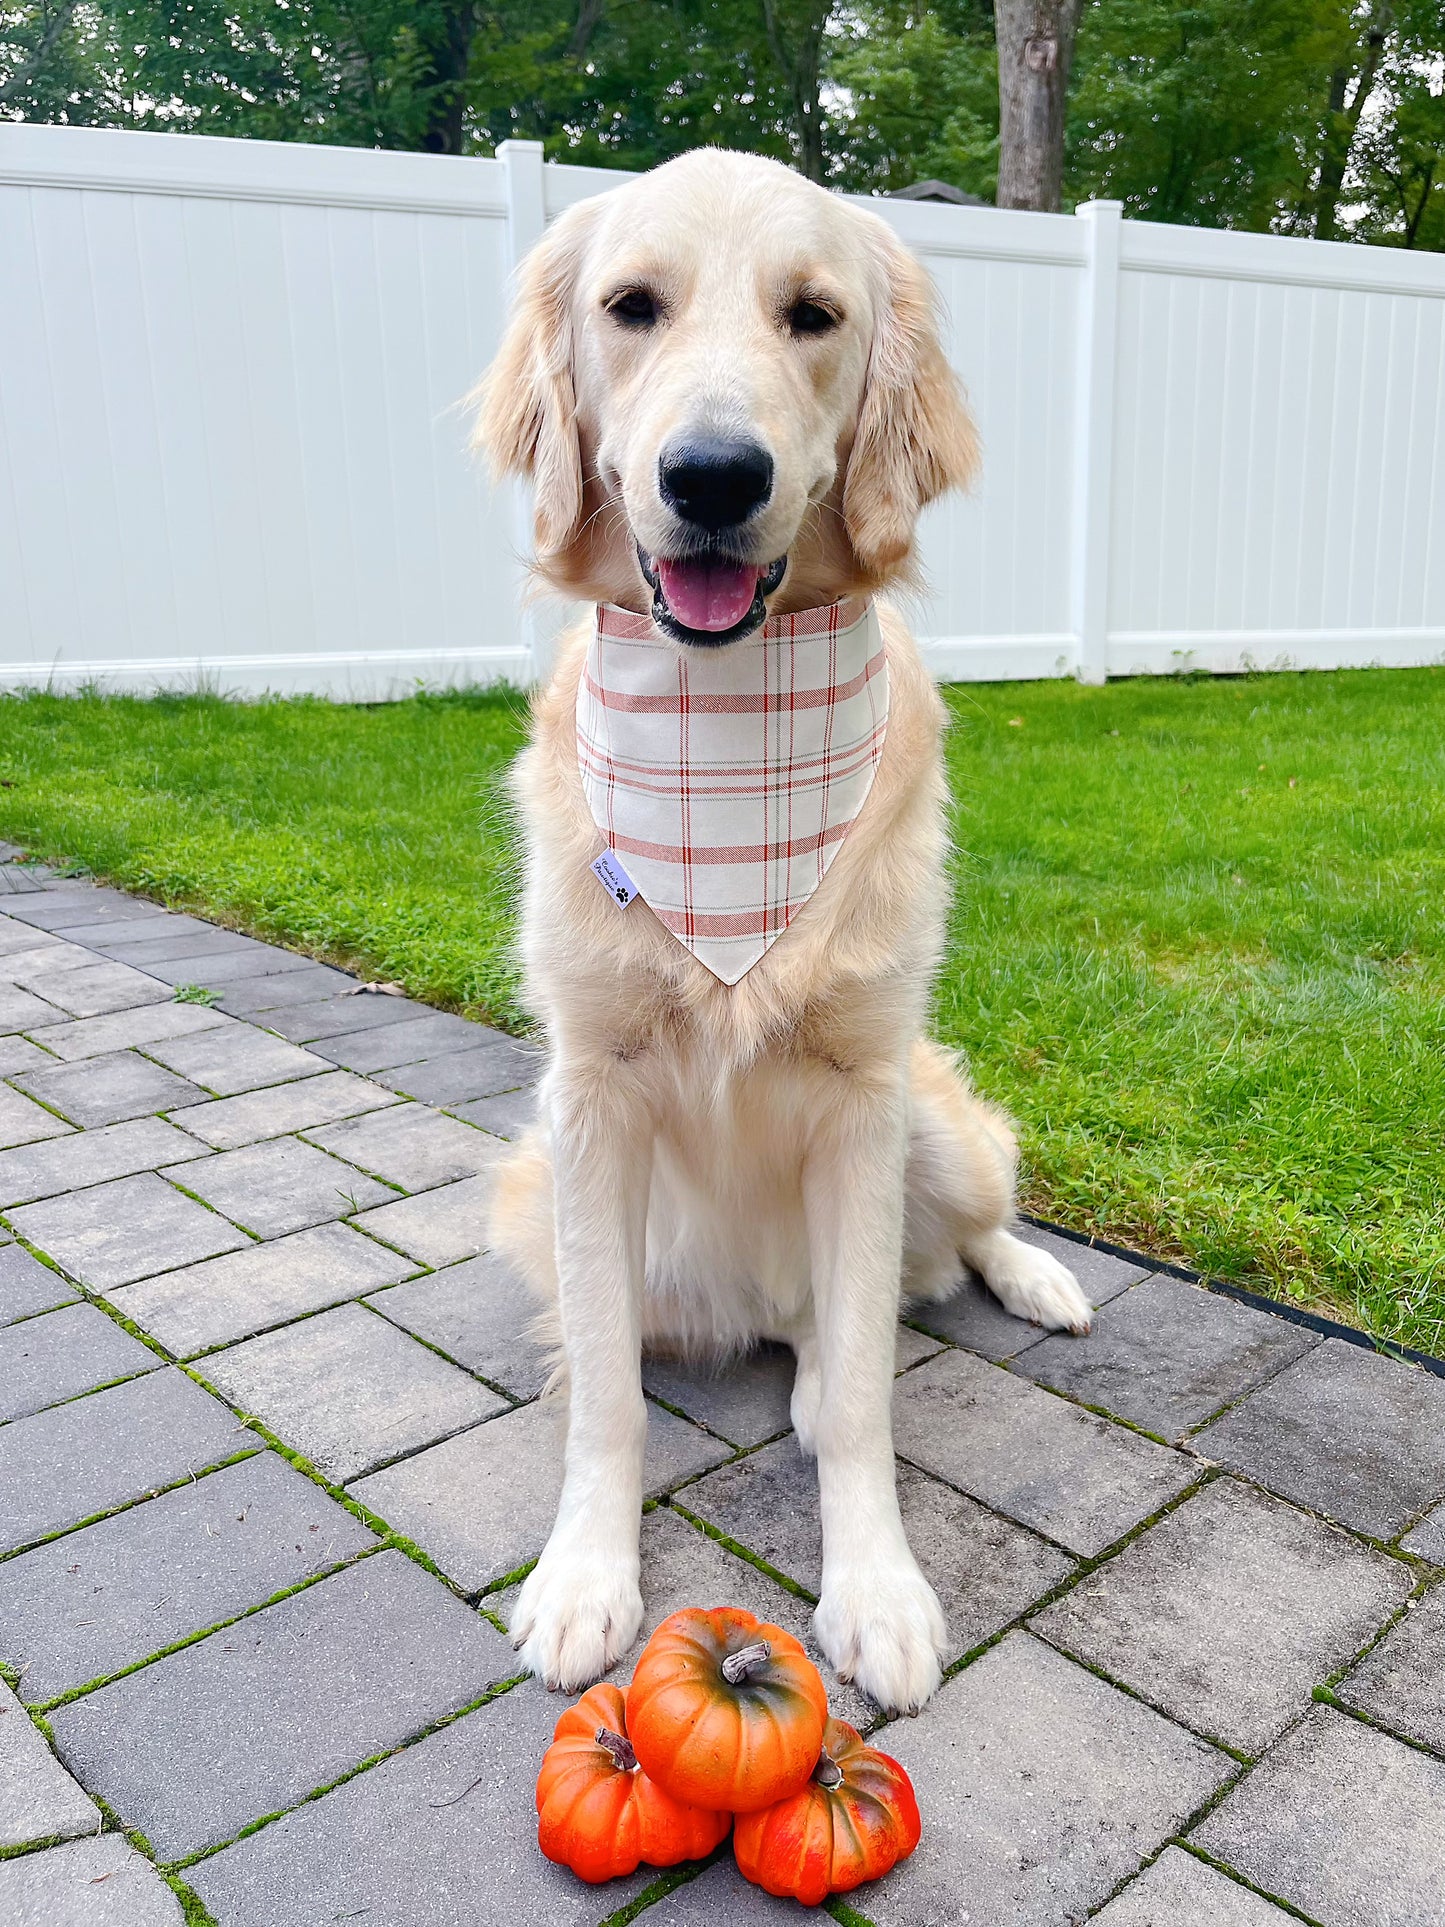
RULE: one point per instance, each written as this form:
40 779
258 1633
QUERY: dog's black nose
715 483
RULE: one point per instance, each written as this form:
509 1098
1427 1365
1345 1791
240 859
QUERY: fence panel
231 448
228 401
1278 477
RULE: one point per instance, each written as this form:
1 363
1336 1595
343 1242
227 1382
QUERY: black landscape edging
1276 1307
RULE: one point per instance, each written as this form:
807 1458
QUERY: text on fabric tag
614 879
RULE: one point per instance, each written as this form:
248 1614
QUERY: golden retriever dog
727 389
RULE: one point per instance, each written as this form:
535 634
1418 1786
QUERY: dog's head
727 388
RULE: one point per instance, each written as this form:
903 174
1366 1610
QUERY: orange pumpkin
599 1813
856 1818
725 1710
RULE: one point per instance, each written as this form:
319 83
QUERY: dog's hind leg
802 1335
962 1158
522 1230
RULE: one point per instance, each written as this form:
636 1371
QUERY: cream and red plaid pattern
724 780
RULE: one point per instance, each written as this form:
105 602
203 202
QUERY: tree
1352 80
1035 53
303 70
1207 114
1396 179
654 81
918 93
795 31
445 31
31 51
57 62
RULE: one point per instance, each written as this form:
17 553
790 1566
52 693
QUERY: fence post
526 206
526 222
1094 437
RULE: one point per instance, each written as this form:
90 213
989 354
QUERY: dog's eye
634 307
811 318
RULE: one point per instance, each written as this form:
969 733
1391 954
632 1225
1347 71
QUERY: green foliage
922 87
196 994
1403 166
654 80
1323 117
1212 992
53 58
287 69
1400 161
1204 114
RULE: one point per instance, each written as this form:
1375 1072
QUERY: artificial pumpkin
598 1812
725 1710
856 1817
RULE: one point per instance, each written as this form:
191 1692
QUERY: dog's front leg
581 1607
878 1619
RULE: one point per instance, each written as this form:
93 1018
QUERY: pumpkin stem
828 1772
742 1664
623 1757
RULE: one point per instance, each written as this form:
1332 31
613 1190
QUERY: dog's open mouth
709 599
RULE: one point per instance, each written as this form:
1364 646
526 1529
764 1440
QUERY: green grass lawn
1197 944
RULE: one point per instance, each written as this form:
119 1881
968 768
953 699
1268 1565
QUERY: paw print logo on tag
614 879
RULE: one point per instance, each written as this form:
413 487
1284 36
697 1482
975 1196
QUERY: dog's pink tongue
708 595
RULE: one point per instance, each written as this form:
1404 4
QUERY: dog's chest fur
845 984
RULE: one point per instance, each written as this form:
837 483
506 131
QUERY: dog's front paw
883 1628
576 1615
1032 1284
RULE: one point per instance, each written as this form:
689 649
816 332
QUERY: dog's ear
915 436
526 403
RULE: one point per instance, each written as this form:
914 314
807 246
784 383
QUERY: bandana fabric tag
613 878
724 781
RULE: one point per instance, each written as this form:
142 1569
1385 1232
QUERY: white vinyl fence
231 451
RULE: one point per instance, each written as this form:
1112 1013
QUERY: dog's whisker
611 504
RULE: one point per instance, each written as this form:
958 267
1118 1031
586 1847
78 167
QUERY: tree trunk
801 65
1035 52
44 47
1412 221
448 49
808 119
1345 108
589 19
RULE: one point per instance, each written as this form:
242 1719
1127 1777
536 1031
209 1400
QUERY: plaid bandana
725 780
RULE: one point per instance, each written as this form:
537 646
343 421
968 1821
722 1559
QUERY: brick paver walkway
272 1461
